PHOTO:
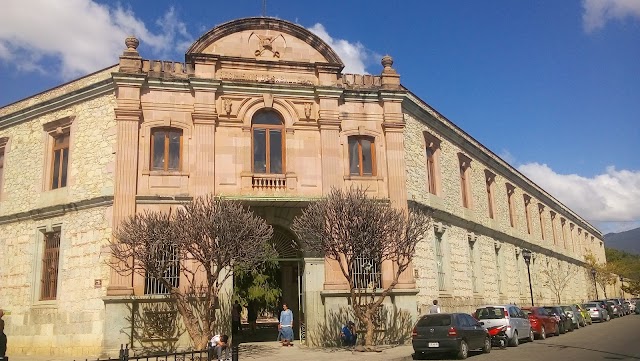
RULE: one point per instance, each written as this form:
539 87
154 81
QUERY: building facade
261 112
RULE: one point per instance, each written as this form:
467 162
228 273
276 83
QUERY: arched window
267 131
362 156
166 149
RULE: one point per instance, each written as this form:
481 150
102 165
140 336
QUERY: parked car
597 311
632 306
564 323
575 315
608 306
542 322
619 308
449 332
518 325
586 315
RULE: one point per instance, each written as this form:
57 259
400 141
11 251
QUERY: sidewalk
273 351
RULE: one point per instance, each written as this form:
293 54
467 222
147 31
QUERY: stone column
128 83
393 125
204 118
329 122
314 312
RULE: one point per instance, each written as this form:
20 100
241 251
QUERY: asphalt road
618 339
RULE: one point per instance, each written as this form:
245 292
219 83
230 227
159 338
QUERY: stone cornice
253 88
57 210
62 101
453 133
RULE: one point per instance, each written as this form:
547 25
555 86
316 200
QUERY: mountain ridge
628 241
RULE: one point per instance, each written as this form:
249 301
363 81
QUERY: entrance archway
282 274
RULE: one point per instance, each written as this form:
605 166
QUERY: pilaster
205 117
329 122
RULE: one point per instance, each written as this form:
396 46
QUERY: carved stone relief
268 44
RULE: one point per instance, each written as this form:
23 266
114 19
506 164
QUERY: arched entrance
280 280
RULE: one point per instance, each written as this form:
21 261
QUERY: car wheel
514 342
543 333
608 318
532 336
487 345
562 329
463 353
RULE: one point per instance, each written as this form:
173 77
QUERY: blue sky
551 86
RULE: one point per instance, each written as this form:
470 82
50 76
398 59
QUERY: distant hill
628 241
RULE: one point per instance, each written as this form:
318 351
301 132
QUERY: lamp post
595 285
526 254
621 287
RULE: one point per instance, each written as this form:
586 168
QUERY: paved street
618 339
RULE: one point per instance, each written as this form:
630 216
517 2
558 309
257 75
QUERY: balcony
269 182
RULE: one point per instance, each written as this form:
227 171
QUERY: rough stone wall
72 324
91 158
458 294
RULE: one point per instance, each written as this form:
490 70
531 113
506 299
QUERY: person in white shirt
435 308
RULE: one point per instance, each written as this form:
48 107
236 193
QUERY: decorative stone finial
387 61
132 43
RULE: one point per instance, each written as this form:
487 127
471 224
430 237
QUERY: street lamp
621 286
595 285
526 254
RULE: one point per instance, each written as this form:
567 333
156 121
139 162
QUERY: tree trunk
368 338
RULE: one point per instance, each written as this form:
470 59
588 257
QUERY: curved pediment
265 39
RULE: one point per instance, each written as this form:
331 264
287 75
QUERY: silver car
574 314
518 326
597 312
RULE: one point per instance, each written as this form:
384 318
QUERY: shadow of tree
394 328
155 326
623 356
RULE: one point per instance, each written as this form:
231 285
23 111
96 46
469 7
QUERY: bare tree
557 277
204 239
360 233
604 272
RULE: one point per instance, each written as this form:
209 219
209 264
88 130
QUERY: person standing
3 338
252 315
286 325
236 312
435 308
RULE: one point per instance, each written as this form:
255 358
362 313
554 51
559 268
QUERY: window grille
498 272
366 273
168 257
440 262
50 260
472 263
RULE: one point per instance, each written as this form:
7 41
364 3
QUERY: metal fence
203 355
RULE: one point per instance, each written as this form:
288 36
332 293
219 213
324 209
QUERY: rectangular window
472 266
168 263
50 261
166 149
498 270
489 184
60 161
1 168
464 166
440 262
563 230
432 150
541 218
367 273
362 156
553 227
527 215
512 216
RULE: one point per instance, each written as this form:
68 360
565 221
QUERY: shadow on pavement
624 357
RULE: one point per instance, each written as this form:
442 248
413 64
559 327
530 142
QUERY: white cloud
507 157
77 37
611 200
354 55
598 12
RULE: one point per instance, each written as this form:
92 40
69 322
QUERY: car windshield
435 320
566 308
590 305
527 312
489 313
551 309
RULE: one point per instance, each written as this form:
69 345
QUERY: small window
432 151
2 150
465 183
60 161
512 216
166 149
50 261
362 155
167 257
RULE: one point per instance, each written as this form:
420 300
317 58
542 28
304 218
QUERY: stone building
261 112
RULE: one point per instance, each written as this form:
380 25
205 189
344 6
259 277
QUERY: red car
542 322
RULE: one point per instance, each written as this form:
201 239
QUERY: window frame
511 190
50 293
359 138
268 128
440 258
432 166
541 219
490 181
166 155
3 160
527 214
464 166
63 172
